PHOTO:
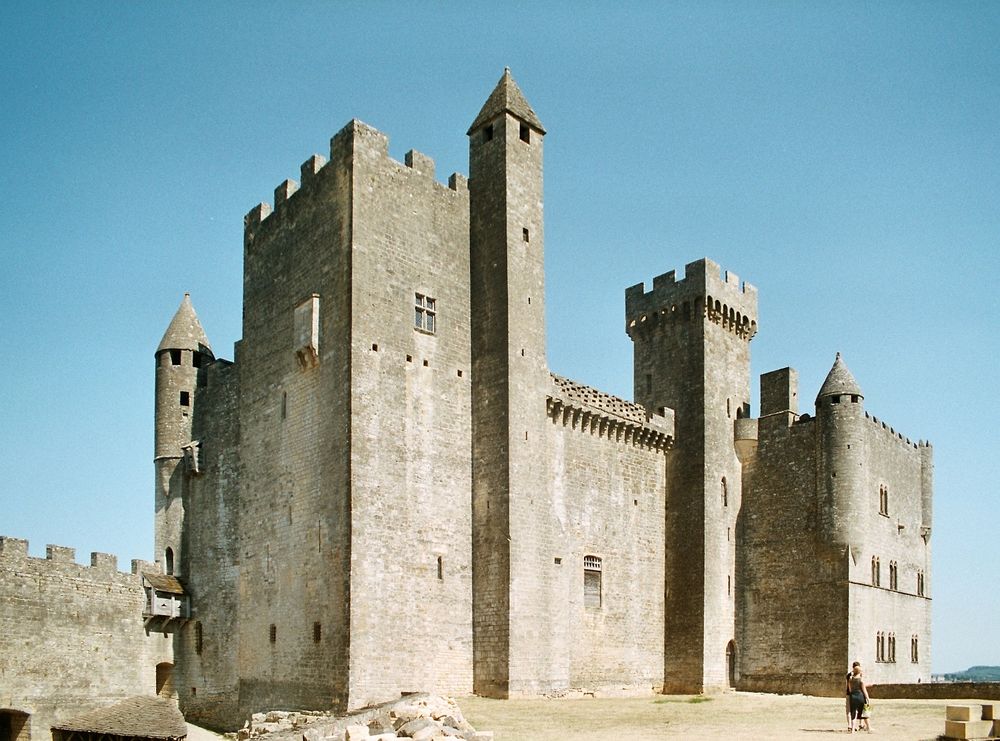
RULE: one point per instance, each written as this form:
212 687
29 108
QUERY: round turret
182 359
840 416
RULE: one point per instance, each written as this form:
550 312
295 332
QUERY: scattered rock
417 717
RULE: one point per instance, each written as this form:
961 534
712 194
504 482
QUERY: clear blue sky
842 157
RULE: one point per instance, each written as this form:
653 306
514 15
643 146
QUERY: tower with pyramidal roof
389 490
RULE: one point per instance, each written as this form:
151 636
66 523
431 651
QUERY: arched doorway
13 725
731 663
165 679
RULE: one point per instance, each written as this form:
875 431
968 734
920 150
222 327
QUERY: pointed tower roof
506 96
184 332
839 381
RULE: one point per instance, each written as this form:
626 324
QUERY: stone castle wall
206 648
900 537
72 636
294 441
792 598
410 427
607 481
809 530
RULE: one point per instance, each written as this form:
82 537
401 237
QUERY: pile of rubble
421 717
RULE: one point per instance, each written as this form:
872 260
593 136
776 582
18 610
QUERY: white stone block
961 712
355 733
965 729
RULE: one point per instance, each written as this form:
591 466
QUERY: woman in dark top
859 697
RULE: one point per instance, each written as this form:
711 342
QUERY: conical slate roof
185 332
506 96
136 717
839 381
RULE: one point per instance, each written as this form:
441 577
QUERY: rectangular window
425 313
525 133
317 632
272 633
592 582
175 357
197 638
185 398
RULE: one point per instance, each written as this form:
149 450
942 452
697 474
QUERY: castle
388 490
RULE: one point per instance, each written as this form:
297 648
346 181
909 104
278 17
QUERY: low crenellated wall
937 691
72 636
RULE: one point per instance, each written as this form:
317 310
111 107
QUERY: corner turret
182 359
843 462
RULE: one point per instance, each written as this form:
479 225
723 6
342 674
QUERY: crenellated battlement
14 552
356 140
705 291
898 435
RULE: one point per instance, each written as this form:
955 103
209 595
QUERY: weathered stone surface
356 733
968 729
962 712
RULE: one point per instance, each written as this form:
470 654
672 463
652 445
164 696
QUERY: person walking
858 699
847 695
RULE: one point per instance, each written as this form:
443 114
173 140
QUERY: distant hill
975 674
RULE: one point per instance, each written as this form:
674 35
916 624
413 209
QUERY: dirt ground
735 715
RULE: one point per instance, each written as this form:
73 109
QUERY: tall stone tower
692 354
181 362
510 376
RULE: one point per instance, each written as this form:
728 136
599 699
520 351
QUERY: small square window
175 357
425 313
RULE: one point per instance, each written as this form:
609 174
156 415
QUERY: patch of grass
699 698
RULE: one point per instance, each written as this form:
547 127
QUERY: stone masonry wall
896 537
411 531
71 636
294 408
607 501
792 603
206 677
